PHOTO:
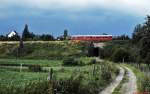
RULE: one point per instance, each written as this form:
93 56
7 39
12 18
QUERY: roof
12 33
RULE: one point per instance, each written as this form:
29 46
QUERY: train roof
91 35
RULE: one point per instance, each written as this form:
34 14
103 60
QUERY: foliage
13 38
141 38
72 62
26 35
65 34
122 37
47 37
137 34
35 68
121 55
3 38
93 61
143 80
146 84
118 51
147 59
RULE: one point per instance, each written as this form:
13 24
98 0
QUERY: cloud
135 7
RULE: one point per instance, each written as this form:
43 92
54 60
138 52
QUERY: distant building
11 34
91 37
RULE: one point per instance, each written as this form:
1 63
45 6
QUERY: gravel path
115 83
130 87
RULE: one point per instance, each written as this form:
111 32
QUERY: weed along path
130 87
115 83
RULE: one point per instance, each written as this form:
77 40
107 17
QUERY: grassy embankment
48 50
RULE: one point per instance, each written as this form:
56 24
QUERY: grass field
12 76
46 63
43 63
19 78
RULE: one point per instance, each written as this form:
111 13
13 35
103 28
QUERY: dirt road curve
131 86
115 83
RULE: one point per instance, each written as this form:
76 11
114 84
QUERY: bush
106 75
120 54
93 61
72 62
35 68
146 84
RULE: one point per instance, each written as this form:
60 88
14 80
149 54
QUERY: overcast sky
78 16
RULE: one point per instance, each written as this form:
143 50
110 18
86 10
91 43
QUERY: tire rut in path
130 87
115 83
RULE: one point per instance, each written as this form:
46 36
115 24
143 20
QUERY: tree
141 31
137 34
145 39
3 38
65 34
26 35
141 37
122 37
121 54
46 37
147 60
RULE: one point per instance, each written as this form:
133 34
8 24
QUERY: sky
84 17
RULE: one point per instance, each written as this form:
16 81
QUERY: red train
91 37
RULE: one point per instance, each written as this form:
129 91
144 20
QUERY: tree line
30 36
135 49
141 39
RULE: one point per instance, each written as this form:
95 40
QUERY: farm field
10 76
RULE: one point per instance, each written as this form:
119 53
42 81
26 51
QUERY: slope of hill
43 50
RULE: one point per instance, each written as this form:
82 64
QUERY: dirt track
115 83
130 87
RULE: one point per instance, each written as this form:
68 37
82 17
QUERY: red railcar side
92 38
